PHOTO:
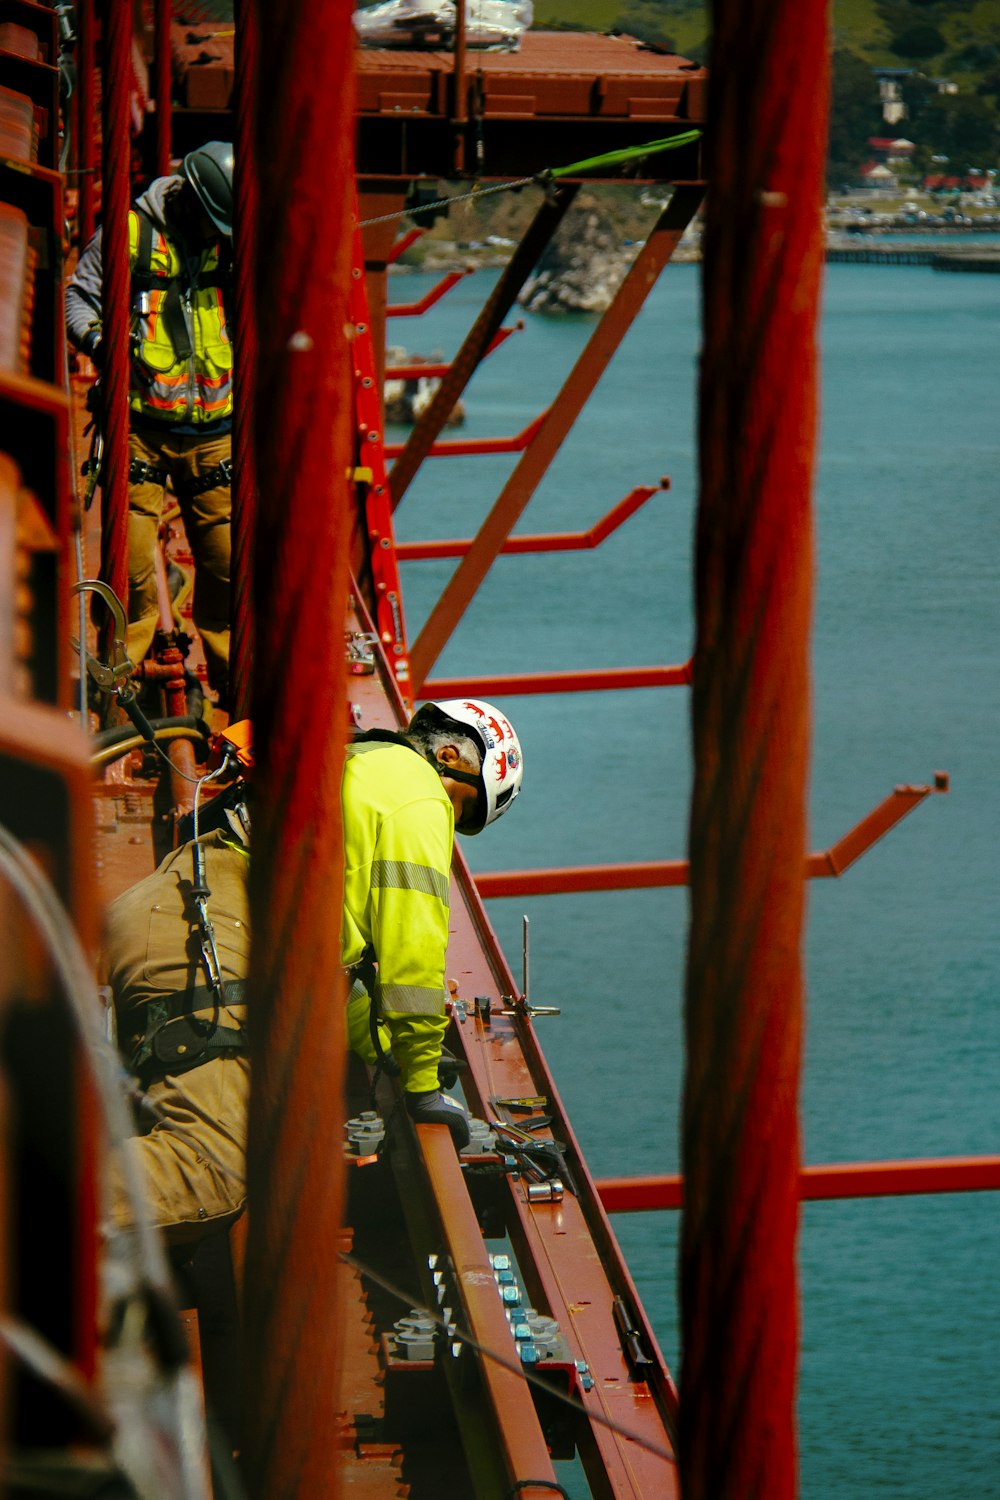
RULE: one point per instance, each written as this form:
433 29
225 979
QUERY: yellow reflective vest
182 354
399 829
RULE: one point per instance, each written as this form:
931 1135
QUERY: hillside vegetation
957 40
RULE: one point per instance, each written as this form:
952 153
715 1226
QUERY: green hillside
936 40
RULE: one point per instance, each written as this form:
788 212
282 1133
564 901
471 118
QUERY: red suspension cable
116 52
245 373
304 450
762 267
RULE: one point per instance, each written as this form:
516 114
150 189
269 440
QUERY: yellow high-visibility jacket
399 829
187 384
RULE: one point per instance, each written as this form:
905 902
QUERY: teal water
900 1297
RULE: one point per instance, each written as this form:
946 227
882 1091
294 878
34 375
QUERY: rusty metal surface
590 93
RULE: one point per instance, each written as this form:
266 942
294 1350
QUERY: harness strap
140 472
219 477
193 1042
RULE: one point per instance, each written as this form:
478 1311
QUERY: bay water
900 1296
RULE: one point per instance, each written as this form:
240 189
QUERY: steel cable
246 206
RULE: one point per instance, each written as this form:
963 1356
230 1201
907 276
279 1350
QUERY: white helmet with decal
502 769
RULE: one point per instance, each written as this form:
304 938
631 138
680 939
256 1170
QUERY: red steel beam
496 307
668 872
560 541
466 447
555 425
403 243
870 1179
515 1419
415 309
414 372
162 14
528 684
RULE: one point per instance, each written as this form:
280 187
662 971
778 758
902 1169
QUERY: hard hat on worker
209 170
499 779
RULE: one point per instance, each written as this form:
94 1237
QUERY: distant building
885 148
875 174
889 80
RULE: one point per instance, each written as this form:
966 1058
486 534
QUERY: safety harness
174 1040
145 280
220 476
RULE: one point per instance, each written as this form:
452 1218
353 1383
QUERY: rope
549 174
763 253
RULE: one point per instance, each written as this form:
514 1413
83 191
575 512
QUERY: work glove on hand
91 346
435 1108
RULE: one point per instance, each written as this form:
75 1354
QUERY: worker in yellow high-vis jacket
457 766
180 397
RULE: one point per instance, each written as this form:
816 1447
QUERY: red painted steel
610 679
467 447
669 872
555 425
415 309
516 1424
902 800
116 63
870 1179
247 206
372 483
86 112
403 243
763 259
162 13
294 1167
496 307
565 541
416 372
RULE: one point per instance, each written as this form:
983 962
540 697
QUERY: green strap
628 153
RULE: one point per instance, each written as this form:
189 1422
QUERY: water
901 1297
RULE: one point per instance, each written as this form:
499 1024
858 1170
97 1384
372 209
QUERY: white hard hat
503 767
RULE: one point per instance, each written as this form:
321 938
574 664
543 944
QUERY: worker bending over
456 766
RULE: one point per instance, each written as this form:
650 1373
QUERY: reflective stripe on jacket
182 355
399 828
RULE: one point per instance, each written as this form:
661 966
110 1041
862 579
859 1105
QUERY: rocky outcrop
582 268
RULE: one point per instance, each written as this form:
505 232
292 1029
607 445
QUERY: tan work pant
192 1167
207 525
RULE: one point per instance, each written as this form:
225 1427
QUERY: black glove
91 346
448 1069
435 1108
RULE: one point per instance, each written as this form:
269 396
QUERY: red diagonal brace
417 372
669 872
465 447
414 309
562 541
409 238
